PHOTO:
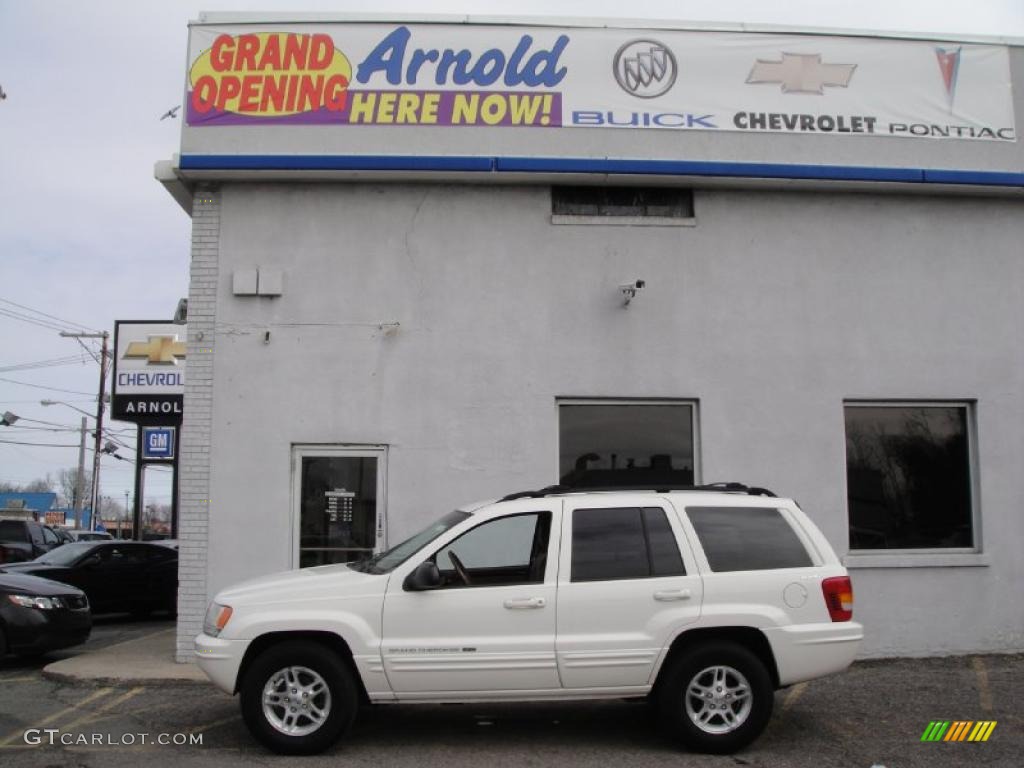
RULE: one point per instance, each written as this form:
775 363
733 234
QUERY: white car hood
322 581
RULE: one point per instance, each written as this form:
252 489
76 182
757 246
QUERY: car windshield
385 562
66 554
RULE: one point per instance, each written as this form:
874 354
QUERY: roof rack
554 490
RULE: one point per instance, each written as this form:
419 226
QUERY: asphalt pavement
872 715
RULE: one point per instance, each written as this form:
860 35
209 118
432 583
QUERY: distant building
27 506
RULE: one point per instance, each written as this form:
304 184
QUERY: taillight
838 597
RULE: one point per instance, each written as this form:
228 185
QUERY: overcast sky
88 236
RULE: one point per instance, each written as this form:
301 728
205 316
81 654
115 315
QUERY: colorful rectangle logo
958 730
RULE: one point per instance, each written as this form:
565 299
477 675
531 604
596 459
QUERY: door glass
338 513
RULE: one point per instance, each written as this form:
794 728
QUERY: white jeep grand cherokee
704 600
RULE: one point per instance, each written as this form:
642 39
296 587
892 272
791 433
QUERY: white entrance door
338 499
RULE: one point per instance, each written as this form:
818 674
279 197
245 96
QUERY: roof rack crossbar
554 490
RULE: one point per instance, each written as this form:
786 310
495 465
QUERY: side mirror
91 561
426 576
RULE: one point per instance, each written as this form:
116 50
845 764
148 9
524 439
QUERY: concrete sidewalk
148 659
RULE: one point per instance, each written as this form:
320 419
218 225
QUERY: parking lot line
56 715
984 692
215 724
795 693
96 714
24 679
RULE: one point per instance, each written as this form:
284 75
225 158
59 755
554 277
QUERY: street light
80 477
69 405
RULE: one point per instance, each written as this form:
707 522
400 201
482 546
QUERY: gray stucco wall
770 312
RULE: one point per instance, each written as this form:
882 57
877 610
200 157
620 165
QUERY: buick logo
645 68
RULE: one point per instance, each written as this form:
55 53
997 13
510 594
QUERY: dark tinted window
13 530
625 444
623 543
622 201
664 549
49 536
908 478
747 539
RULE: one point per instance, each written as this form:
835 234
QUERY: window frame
615 220
923 556
693 402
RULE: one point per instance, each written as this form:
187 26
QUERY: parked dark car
38 615
22 540
117 576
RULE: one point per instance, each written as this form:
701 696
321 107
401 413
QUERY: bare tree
67 479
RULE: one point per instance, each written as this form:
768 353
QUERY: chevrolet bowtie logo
159 349
801 73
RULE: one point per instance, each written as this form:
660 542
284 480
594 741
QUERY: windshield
385 562
66 554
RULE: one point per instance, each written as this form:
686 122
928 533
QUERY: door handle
526 602
667 595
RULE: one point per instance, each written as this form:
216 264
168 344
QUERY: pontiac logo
159 350
645 68
801 73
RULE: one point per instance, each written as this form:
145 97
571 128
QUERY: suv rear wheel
716 698
298 698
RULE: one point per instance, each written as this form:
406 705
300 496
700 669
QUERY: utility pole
100 403
80 479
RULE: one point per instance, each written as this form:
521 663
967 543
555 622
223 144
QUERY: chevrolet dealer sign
149 371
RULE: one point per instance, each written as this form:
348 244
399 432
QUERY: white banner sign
351 75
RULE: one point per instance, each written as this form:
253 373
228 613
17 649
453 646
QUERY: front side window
747 539
626 444
908 476
508 550
623 543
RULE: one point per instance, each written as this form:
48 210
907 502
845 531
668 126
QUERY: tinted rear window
747 539
12 530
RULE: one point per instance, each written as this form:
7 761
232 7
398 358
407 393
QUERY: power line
53 362
44 314
52 389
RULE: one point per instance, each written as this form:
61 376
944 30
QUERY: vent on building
633 202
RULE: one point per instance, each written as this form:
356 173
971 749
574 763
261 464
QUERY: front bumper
806 651
31 630
220 659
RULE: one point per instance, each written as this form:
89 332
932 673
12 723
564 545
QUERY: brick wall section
194 464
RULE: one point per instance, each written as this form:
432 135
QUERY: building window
908 476
615 443
631 205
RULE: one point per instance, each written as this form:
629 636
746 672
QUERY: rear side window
623 543
747 539
13 530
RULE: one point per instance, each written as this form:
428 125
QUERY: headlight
42 603
216 617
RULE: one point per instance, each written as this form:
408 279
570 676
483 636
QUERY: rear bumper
805 651
220 659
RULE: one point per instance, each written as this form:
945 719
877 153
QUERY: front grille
75 602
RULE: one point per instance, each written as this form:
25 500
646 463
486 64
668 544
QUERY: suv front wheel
298 697
716 698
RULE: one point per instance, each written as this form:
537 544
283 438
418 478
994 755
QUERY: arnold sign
350 76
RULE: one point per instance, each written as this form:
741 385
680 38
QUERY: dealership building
444 259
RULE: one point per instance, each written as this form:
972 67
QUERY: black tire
317 659
679 707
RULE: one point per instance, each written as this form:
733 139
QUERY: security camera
629 291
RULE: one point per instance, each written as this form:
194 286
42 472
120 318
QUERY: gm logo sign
158 443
